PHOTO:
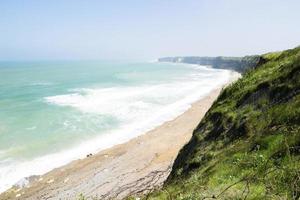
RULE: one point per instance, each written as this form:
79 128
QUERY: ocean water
55 112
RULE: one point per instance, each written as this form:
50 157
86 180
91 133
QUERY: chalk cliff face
239 64
248 144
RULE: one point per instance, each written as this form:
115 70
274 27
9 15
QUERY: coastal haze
145 30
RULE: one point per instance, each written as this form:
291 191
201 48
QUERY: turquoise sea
55 112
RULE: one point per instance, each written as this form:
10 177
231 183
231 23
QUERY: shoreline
129 168
17 171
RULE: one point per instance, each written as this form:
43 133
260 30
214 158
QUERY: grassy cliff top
239 64
248 144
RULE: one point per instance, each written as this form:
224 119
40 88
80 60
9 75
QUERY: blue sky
136 29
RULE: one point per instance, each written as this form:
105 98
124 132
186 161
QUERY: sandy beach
132 168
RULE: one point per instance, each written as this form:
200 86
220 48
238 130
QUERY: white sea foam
139 109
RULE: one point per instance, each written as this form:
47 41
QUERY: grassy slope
248 144
239 64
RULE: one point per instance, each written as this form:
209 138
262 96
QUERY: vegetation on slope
239 64
248 144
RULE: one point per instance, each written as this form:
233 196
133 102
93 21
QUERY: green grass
248 144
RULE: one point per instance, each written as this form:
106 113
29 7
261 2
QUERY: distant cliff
239 64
